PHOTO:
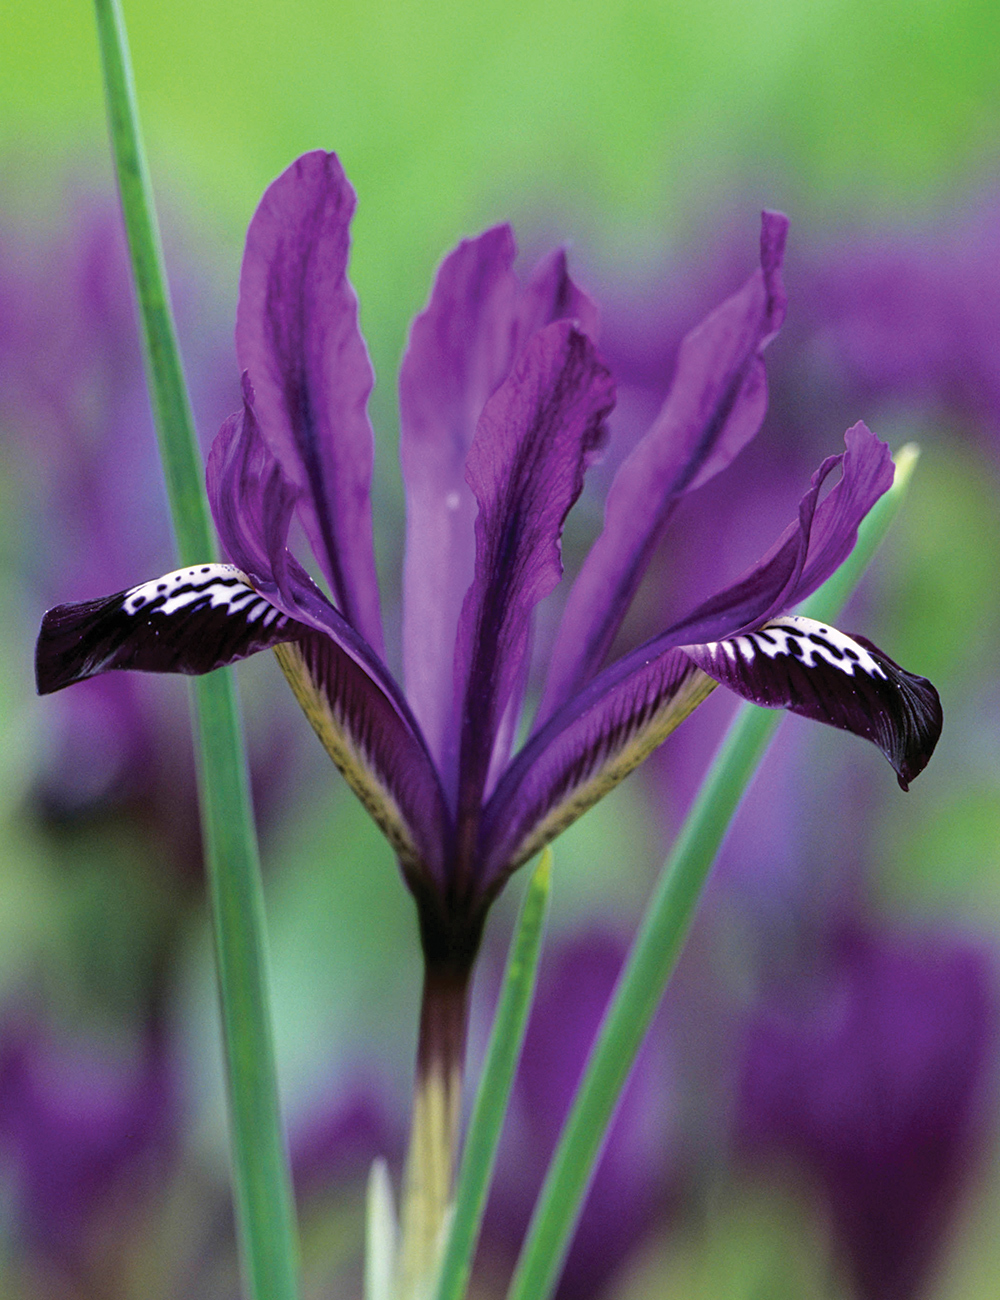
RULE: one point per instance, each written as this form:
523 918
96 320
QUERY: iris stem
493 1094
661 937
437 1096
262 1185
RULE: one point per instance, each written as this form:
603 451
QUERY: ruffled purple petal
297 335
534 441
585 749
811 668
189 621
806 553
461 348
715 406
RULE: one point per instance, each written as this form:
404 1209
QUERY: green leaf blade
262 1183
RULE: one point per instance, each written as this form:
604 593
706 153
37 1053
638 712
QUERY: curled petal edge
815 670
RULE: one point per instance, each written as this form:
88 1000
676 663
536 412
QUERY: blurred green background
619 122
626 129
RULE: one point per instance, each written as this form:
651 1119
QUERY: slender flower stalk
432 1158
262 1186
503 1053
503 407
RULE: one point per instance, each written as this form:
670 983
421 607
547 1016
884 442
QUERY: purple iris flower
503 403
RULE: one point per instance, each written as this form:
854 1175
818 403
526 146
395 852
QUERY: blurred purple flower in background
873 1073
637 1179
88 1139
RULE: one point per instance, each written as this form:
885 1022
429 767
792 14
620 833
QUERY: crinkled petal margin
297 335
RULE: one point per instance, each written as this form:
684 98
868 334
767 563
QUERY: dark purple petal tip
189 621
813 669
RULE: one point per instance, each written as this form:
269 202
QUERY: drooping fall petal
189 621
350 698
297 336
813 669
715 406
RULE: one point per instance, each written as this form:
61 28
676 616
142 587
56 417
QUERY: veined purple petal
189 621
459 351
535 439
806 553
585 749
715 406
372 738
350 698
461 348
811 668
297 335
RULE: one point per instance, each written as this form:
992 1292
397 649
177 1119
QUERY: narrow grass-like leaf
506 1040
380 1234
264 1215
661 937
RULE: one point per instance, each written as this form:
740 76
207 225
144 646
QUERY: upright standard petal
461 348
458 353
297 336
535 439
715 406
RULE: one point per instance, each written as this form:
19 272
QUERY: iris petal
534 441
458 353
583 752
715 406
461 347
297 335
813 669
189 621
